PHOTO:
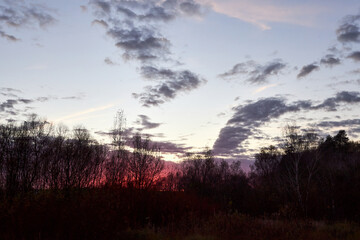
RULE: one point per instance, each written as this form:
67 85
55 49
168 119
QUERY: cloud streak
172 148
264 88
84 112
343 123
262 12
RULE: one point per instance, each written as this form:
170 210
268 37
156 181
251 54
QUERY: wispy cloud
264 88
84 112
263 12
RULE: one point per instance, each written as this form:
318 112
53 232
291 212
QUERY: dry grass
135 215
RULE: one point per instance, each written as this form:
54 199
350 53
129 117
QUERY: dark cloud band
248 118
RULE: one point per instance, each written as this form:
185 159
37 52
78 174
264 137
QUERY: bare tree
267 161
116 166
145 164
300 163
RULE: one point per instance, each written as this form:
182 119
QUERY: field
132 214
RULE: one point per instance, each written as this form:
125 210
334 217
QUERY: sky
223 74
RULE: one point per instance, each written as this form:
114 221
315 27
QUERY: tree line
35 155
310 176
304 176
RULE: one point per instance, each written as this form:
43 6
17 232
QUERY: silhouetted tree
117 164
299 164
145 164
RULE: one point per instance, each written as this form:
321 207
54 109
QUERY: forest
57 183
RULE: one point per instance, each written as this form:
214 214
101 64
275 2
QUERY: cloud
261 74
165 146
132 24
43 99
9 92
264 110
342 83
330 60
191 8
343 123
84 112
8 104
19 14
256 73
135 27
24 100
127 134
331 104
229 140
349 30
172 148
145 122
8 107
101 23
306 70
347 97
83 8
108 61
8 37
102 5
162 11
354 56
246 119
154 73
263 12
264 88
156 13
79 96
172 83
240 68
356 71
140 43
18 106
